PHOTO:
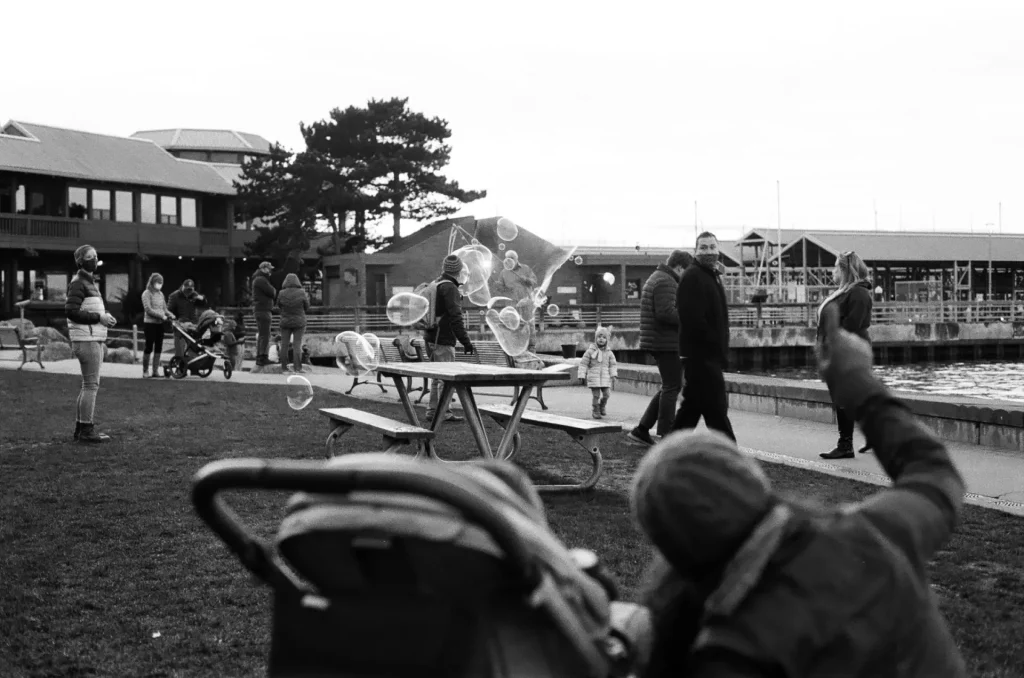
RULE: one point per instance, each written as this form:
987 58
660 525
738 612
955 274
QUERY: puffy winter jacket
84 309
598 367
294 303
263 293
659 318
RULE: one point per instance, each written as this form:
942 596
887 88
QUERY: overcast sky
582 123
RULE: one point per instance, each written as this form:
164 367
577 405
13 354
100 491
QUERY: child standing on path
599 369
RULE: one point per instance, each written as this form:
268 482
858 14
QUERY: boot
89 434
156 364
78 429
597 413
145 365
604 411
843 450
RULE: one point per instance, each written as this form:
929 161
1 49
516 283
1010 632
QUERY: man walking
659 336
704 341
440 338
182 306
263 297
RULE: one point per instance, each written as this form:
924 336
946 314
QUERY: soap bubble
478 264
609 278
495 300
509 317
357 354
507 229
300 392
406 308
501 247
513 342
579 261
511 254
474 241
509 263
552 310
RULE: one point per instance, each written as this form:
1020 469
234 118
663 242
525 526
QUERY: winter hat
452 265
80 254
697 497
605 331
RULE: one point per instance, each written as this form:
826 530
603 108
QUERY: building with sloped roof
144 208
208 145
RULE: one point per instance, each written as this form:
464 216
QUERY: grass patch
100 549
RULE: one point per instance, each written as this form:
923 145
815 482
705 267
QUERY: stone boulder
119 343
50 335
119 355
57 351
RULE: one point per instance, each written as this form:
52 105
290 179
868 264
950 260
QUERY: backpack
429 292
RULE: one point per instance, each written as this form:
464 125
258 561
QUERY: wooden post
135 343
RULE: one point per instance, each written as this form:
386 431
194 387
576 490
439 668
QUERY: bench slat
555 421
391 427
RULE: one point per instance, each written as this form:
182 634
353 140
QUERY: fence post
356 318
135 343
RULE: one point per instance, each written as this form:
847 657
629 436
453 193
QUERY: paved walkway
995 477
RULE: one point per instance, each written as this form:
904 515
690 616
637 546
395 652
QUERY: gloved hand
844 362
468 349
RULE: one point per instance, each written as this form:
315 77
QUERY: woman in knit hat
746 583
88 321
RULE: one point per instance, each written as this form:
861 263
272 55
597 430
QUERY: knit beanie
452 265
697 497
80 254
603 331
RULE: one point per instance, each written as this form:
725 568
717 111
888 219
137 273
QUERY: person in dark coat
704 341
853 299
440 339
182 306
263 298
294 302
747 583
659 336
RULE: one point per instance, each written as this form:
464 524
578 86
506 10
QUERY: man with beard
703 341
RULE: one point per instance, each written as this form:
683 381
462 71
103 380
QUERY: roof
724 246
56 151
918 246
771 235
206 140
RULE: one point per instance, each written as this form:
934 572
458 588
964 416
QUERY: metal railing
626 317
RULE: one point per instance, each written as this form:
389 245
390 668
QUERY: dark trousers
262 335
662 408
704 395
845 423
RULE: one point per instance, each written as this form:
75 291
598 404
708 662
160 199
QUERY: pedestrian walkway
995 477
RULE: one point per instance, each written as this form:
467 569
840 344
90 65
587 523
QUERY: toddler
599 369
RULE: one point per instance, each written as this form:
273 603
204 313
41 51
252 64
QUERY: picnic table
462 378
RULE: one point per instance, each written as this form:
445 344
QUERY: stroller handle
370 471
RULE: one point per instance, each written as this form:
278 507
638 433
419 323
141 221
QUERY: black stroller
197 358
402 568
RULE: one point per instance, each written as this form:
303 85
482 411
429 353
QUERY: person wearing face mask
156 314
703 341
88 321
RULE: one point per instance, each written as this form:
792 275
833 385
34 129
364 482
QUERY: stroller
197 359
390 567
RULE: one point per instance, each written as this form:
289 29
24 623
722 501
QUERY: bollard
135 344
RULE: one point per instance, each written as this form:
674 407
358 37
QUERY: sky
623 125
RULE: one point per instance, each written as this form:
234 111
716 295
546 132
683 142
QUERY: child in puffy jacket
599 368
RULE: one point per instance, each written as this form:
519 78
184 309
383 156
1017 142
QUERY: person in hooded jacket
659 336
263 297
746 583
294 302
853 299
440 339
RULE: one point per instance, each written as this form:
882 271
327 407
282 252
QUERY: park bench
11 339
390 351
491 353
584 432
396 434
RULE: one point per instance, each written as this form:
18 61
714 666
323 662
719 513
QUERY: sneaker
89 434
640 437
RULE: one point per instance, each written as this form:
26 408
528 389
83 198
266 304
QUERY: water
987 380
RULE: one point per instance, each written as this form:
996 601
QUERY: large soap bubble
357 354
509 263
507 229
509 317
513 342
609 278
407 308
300 392
552 310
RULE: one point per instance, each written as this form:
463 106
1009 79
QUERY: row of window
95 203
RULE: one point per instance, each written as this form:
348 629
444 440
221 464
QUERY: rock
119 343
119 355
57 351
50 335
26 326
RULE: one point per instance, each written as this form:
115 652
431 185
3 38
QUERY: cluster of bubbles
511 293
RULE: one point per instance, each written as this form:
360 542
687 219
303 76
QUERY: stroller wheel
204 372
227 370
177 367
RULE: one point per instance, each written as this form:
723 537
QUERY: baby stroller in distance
402 568
197 358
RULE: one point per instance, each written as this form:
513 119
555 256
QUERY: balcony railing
17 225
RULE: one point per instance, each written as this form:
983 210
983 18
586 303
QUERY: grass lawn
106 571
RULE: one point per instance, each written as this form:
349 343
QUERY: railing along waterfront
627 317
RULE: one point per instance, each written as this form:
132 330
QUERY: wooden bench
11 339
584 432
396 434
491 353
391 352
356 381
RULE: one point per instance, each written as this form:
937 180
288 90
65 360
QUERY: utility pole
778 208
696 230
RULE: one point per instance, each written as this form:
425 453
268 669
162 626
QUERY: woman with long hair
156 314
853 299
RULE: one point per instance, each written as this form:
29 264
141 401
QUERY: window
147 208
123 208
19 199
100 205
168 209
188 212
193 155
233 158
78 203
